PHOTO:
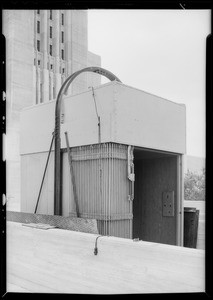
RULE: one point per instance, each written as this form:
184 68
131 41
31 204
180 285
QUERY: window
51 66
51 50
38 11
62 53
41 98
38 26
62 37
54 96
62 19
50 88
51 14
63 70
51 32
38 45
39 62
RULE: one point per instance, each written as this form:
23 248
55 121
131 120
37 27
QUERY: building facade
43 47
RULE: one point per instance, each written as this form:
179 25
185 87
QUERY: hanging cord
96 244
53 135
99 119
99 142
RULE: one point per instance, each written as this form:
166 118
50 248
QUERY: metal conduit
62 91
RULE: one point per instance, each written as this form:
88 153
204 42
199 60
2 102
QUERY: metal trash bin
191 219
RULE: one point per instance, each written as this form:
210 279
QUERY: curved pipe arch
57 168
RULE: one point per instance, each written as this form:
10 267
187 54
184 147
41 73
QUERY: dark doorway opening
155 200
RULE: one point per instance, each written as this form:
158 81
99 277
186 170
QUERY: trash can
191 218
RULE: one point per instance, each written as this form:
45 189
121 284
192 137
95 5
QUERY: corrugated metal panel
102 187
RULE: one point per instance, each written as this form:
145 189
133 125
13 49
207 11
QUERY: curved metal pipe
63 89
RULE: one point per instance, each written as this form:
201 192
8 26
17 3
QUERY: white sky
158 51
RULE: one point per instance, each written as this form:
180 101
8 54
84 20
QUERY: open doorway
156 205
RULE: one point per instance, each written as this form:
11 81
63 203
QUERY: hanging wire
99 119
99 148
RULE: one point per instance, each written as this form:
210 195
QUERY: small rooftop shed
126 151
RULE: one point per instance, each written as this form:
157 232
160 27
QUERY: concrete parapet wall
61 261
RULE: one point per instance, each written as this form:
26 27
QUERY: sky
158 51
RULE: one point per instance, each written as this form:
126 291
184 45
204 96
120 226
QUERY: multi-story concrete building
43 47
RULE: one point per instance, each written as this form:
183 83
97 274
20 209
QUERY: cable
99 146
99 119
96 244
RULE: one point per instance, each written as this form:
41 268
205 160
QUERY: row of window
50 49
52 94
52 91
51 16
51 66
51 31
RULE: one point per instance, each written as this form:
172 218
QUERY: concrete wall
18 28
26 82
93 60
63 261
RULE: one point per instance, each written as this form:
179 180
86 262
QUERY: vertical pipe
110 188
118 189
92 181
179 205
105 191
133 187
83 177
91 178
61 181
97 184
104 187
177 215
79 166
115 187
89 174
111 212
112 209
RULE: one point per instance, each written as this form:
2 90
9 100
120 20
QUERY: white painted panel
32 170
80 121
128 116
80 117
37 125
145 120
